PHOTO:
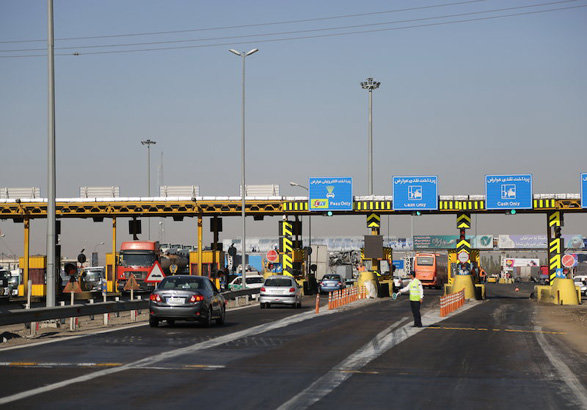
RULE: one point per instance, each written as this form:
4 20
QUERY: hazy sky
458 100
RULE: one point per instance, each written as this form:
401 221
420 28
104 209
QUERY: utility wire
255 24
150 43
307 37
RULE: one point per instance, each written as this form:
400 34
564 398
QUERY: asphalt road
489 355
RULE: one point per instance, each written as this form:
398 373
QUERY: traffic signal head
557 231
511 212
329 213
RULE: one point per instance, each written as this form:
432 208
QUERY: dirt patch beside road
572 320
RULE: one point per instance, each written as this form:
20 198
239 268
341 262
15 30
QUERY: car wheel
208 319
170 322
267 305
222 318
153 322
262 305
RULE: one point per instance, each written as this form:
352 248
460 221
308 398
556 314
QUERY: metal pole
51 239
149 185
370 171
244 187
310 241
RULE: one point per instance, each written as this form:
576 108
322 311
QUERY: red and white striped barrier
452 302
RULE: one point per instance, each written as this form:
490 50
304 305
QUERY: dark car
185 297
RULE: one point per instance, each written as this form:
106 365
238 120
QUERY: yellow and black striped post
374 223
286 247
556 244
463 245
463 220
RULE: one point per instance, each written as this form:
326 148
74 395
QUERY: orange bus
431 269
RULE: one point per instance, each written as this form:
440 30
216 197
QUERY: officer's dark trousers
416 313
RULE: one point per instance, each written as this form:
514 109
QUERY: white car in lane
253 282
280 290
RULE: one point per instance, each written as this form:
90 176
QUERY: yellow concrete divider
562 292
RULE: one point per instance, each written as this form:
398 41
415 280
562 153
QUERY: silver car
280 290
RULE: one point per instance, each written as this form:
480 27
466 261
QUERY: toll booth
212 261
384 279
453 264
37 275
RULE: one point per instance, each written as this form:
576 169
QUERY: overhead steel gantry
100 208
25 210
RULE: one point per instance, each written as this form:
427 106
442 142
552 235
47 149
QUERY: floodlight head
370 85
148 142
233 51
253 51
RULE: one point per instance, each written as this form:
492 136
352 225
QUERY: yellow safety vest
415 295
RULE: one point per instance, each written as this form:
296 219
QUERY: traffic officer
416 297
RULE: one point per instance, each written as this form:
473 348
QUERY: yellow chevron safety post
463 220
554 258
464 245
286 247
373 221
555 219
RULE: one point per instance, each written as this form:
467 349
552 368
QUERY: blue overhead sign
331 194
415 193
508 192
583 190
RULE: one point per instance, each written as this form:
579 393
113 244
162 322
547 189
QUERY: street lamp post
148 143
370 85
244 55
309 227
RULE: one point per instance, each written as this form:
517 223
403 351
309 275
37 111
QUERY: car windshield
93 274
178 283
134 258
4 274
425 260
278 282
254 280
331 277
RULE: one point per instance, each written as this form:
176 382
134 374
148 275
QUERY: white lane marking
566 374
385 340
149 361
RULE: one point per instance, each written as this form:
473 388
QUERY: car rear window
331 277
254 280
172 283
278 282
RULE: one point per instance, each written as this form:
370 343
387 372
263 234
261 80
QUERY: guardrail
64 312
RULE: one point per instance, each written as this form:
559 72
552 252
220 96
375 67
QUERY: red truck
137 258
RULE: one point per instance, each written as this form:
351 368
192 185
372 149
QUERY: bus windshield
137 258
425 261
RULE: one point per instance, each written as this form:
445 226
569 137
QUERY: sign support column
27 243
114 276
